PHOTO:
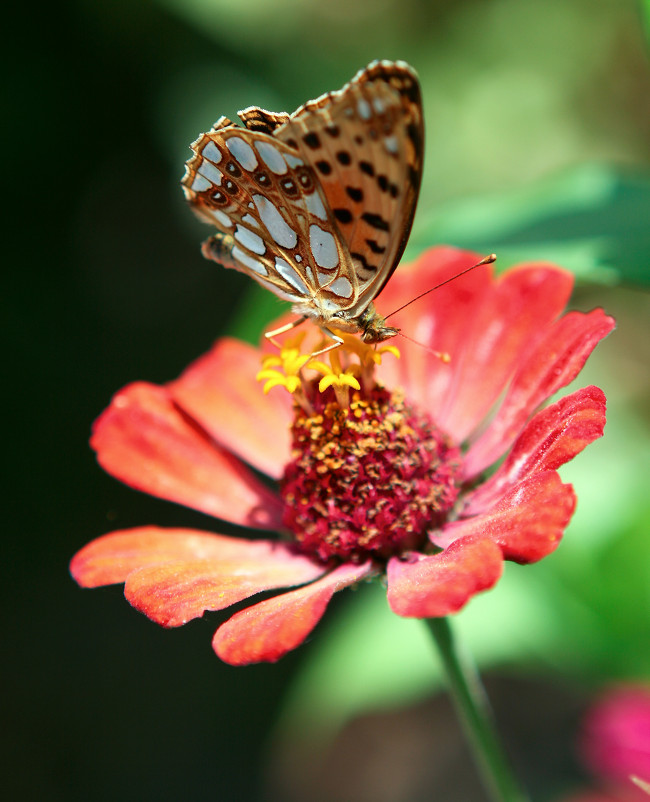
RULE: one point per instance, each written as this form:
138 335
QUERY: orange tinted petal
171 594
270 629
220 391
111 558
145 441
438 585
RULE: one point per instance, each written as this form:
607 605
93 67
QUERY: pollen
367 479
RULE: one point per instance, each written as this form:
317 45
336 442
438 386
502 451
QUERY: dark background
104 284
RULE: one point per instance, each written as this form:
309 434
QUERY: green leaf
591 219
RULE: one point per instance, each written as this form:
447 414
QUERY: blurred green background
538 146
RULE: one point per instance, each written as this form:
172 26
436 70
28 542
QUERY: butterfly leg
283 329
337 342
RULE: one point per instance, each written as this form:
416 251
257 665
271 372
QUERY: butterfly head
373 326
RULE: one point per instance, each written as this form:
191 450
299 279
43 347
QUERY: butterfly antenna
443 356
488 260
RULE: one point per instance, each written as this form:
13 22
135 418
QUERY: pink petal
615 738
552 364
438 321
111 558
430 587
270 629
527 523
552 437
144 440
219 391
515 312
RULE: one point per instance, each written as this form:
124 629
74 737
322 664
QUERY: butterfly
317 205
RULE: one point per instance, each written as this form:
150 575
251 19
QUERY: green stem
474 712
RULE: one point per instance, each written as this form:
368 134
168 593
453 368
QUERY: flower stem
474 712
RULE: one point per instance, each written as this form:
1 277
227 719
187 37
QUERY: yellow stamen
286 368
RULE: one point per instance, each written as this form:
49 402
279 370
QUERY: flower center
366 479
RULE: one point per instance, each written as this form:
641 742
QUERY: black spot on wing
324 167
333 130
376 221
361 258
366 168
311 140
374 247
355 193
415 136
343 215
344 157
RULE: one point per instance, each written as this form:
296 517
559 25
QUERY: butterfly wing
366 142
317 205
272 219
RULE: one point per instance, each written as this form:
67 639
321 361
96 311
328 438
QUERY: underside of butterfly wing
272 220
366 142
317 205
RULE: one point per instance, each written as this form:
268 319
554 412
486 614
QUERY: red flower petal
144 440
512 316
527 523
439 321
556 361
172 594
270 629
441 584
174 575
109 559
219 391
552 437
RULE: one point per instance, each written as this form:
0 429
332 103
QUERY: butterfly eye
305 178
230 187
262 179
233 169
289 187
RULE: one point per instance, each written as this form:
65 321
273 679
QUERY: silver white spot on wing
390 143
341 286
276 225
200 183
289 275
293 161
249 262
250 221
314 205
209 171
323 247
271 157
212 152
379 105
250 240
363 107
242 152
222 218
285 296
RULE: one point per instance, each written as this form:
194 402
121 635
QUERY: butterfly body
317 205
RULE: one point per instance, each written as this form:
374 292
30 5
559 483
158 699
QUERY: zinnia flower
381 470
